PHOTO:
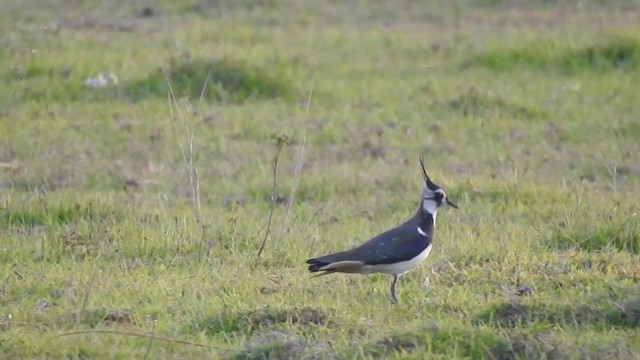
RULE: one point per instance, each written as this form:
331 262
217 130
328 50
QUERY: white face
432 200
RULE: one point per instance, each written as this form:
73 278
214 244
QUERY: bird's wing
399 244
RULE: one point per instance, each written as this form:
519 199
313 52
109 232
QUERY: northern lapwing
395 251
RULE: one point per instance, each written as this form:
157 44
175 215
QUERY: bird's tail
315 265
330 267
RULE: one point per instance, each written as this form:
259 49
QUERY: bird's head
433 196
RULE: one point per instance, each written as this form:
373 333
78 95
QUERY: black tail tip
315 265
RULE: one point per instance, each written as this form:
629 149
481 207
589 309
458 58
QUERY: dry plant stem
87 294
129 333
206 81
296 180
203 230
188 155
153 335
279 145
298 168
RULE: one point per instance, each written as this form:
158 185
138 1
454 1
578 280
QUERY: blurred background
144 144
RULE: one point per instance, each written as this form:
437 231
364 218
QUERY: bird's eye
438 196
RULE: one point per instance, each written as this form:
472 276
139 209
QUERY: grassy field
526 112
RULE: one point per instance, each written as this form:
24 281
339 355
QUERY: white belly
398 268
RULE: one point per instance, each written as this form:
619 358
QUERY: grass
215 81
527 115
613 52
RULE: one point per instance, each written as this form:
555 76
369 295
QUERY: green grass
526 114
221 81
614 52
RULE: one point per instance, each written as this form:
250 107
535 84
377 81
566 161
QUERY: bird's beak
452 204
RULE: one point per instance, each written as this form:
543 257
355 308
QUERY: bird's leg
394 298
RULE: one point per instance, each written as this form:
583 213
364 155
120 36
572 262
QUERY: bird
394 251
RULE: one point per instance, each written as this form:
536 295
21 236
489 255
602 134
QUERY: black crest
427 181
